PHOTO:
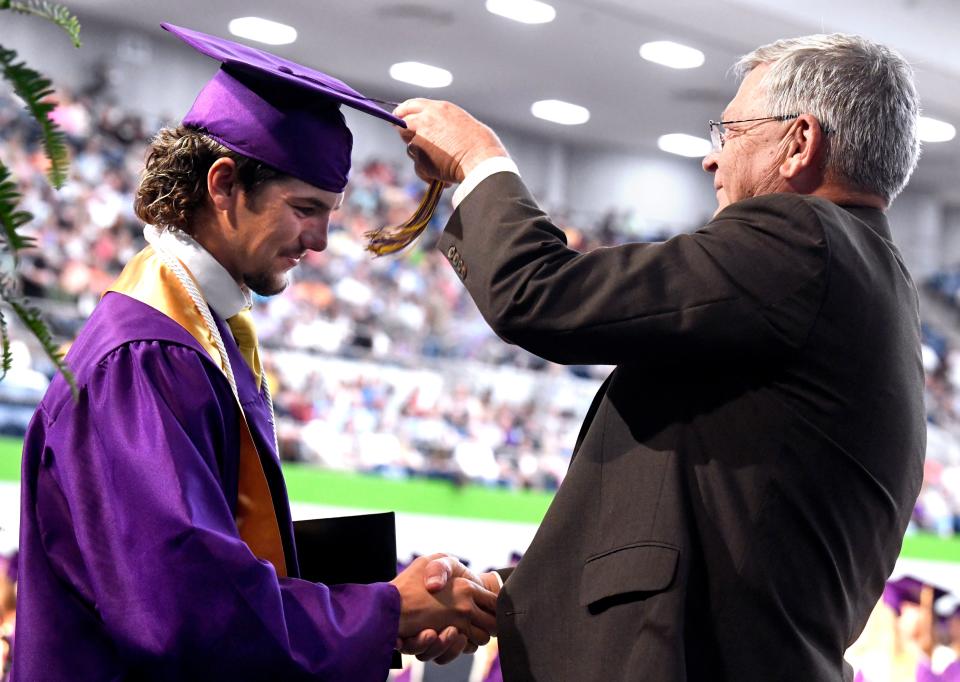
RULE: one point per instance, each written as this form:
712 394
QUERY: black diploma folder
348 549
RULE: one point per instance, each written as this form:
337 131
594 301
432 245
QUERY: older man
156 540
743 479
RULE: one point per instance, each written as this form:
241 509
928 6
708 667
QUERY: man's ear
804 147
222 184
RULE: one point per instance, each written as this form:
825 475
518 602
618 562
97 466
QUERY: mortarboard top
276 111
907 590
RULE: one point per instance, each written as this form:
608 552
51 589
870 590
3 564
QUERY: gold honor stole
147 279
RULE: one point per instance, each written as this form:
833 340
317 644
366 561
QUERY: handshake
445 609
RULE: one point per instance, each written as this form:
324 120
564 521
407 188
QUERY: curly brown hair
174 182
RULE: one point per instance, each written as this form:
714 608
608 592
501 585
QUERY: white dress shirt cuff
482 171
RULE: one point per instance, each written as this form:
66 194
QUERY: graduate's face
275 226
748 164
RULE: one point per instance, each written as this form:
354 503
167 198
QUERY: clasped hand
445 609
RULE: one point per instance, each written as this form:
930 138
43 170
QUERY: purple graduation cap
907 590
276 111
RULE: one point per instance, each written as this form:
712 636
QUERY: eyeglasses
718 135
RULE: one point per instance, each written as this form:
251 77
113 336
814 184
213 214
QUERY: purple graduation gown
131 566
950 674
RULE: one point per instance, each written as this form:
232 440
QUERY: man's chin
266 284
722 201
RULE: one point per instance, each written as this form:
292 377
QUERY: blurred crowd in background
938 507
379 365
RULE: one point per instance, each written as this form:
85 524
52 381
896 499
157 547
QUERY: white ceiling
588 55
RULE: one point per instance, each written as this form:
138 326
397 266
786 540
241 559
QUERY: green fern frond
30 316
6 362
12 219
58 14
33 88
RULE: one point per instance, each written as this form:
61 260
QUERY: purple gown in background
950 674
131 566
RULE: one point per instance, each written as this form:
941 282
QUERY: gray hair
863 95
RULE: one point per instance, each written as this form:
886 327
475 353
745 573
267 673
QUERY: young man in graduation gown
156 538
742 482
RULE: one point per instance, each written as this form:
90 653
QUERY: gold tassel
387 240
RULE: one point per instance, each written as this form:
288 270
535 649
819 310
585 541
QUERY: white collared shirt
224 296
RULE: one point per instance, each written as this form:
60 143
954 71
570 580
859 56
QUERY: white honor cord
176 267
273 417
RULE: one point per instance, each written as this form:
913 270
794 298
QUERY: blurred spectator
897 635
8 612
939 638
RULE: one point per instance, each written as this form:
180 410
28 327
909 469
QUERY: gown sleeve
747 285
135 515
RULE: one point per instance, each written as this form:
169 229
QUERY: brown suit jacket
743 479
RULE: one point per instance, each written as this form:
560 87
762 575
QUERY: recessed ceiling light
933 130
263 30
424 75
524 11
558 111
684 145
674 55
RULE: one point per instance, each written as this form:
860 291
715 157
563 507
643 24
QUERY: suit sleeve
748 284
132 476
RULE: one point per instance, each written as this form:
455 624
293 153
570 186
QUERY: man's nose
314 238
709 162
